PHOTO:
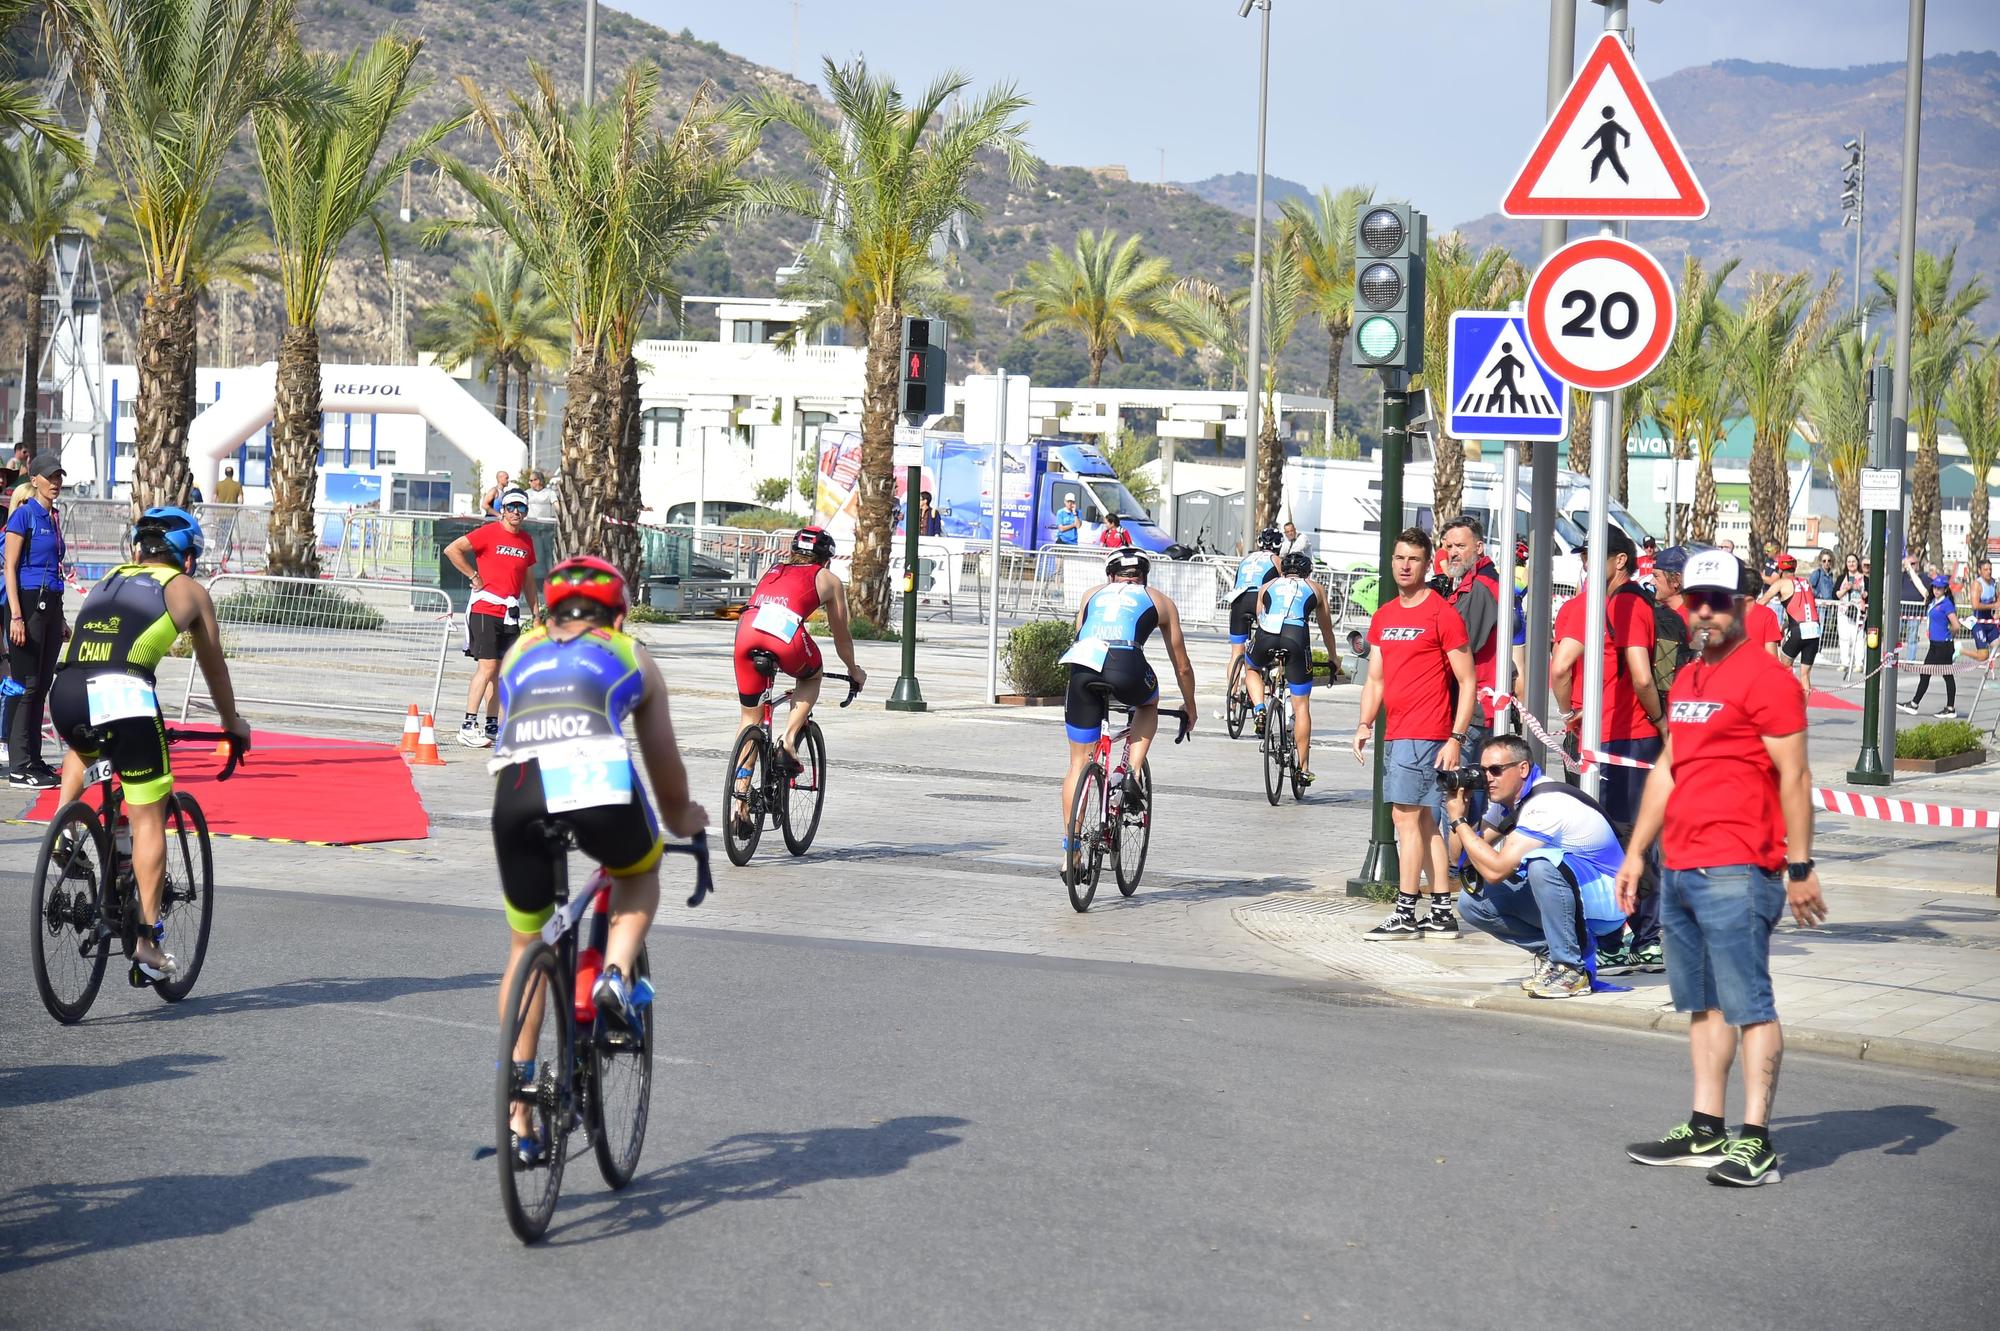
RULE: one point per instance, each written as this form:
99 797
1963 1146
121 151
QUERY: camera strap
1506 825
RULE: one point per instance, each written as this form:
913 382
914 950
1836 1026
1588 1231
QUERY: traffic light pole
1868 769
1380 867
907 696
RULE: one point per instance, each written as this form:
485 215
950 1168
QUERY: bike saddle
764 661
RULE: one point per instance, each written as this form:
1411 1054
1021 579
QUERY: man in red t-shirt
495 558
1733 797
1419 655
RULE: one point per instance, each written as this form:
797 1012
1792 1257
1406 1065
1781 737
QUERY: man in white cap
1731 800
496 559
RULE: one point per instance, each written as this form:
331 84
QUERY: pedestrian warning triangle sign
1499 388
1607 152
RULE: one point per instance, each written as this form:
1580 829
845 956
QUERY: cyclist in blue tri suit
1112 626
1283 608
1258 567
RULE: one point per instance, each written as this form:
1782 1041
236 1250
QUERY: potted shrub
1032 662
1941 746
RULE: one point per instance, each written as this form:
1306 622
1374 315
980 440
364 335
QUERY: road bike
758 786
1236 712
1281 754
1103 821
86 895
587 1072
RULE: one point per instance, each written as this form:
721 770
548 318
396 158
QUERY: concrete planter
1933 766
1030 700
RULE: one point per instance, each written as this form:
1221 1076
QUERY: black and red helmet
590 578
814 543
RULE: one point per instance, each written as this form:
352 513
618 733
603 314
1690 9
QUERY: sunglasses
515 508
1498 769
1720 601
582 577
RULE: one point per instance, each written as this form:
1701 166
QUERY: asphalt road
869 1135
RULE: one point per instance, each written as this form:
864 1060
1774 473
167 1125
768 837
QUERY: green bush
646 614
863 628
298 605
765 519
771 492
1031 657
1939 739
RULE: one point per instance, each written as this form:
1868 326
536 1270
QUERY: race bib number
1271 621
1089 653
97 772
115 697
776 620
1808 630
585 775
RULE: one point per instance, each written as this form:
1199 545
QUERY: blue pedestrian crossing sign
1499 388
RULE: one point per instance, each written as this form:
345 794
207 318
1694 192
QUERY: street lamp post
1854 206
589 52
1252 424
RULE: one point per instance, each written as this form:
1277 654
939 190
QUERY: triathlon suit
1255 570
1985 630
103 701
1803 612
775 620
1282 623
1110 648
561 753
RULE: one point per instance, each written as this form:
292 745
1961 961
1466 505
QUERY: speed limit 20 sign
1600 313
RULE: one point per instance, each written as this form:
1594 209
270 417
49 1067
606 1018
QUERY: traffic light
1389 289
920 378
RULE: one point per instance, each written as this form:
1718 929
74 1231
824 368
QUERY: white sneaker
1907 708
473 736
1948 713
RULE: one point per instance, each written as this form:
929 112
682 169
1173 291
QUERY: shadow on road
50 1082
311 993
1814 1141
50 1221
758 1166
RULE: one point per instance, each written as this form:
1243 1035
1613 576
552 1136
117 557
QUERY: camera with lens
1470 779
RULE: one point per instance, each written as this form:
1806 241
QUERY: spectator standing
1475 594
1068 522
1295 544
1114 536
495 558
1419 656
33 620
541 498
1852 593
1823 581
929 522
1629 722
1940 628
229 490
1984 594
489 502
1642 569
1731 804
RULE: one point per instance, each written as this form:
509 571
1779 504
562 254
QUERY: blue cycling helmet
175 528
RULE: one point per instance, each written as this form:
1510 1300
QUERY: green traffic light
1378 337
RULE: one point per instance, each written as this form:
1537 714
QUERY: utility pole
589 52
1906 278
1854 207
1253 409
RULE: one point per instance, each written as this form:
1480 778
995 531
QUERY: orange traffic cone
409 741
427 746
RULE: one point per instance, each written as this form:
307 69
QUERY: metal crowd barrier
1063 574
329 645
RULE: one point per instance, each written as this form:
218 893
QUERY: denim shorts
1409 771
1716 927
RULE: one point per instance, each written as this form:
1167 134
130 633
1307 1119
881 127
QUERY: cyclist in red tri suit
775 620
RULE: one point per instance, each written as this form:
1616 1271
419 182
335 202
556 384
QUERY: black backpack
1670 640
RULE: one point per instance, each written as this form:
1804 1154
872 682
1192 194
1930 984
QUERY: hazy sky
1116 81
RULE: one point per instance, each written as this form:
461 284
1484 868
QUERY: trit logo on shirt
518 552
1401 635
1693 713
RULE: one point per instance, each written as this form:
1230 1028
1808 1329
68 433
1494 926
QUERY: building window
661 426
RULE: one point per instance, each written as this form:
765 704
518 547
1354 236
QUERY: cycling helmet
1270 538
814 543
585 577
1297 564
169 528
1127 563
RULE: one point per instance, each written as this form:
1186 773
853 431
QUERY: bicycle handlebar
853 689
704 882
238 746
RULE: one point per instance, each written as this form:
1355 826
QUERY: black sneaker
1436 925
1619 962
1398 928
1747 1162
1132 795
30 779
1683 1145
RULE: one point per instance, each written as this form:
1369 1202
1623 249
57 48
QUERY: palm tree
224 249
1690 388
835 291
601 205
1215 324
1941 333
1283 306
500 315
1836 410
1324 238
1456 279
895 182
22 111
1771 343
1972 403
322 179
1104 291
174 80
42 195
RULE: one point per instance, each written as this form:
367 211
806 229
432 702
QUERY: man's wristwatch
1799 871
1458 735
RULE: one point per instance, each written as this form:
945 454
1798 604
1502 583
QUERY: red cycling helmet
591 578
814 543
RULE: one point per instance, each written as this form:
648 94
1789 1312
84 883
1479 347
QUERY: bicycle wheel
1292 765
621 1092
1275 718
187 893
805 791
1083 863
1135 830
539 1002
69 950
1237 710
749 758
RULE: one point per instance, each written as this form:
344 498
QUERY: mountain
1237 191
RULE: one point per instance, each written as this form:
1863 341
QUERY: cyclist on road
104 702
1112 626
775 621
566 689
1283 609
1257 568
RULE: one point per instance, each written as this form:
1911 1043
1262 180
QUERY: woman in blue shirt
1941 625
34 621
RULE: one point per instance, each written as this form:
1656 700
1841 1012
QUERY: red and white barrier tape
1585 759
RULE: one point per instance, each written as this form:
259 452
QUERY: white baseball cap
511 496
1713 570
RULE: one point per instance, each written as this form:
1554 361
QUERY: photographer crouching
1545 858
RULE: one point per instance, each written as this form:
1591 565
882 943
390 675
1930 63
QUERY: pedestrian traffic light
1389 289
920 377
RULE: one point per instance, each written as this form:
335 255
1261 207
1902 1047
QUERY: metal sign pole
1503 631
993 569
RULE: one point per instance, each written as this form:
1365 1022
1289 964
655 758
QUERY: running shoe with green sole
1681 1146
1649 959
1747 1162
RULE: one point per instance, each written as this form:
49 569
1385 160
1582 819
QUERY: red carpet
300 788
1832 702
